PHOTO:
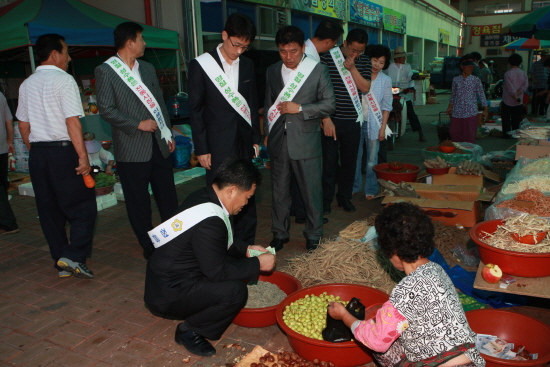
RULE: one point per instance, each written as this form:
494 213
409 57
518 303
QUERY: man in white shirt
326 36
220 127
8 223
48 112
401 77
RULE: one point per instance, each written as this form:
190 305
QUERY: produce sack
182 153
336 331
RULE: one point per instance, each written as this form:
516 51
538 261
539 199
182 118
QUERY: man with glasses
350 72
224 109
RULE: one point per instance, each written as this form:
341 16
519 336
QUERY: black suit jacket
215 124
196 257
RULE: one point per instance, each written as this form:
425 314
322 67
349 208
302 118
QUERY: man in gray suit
143 156
294 134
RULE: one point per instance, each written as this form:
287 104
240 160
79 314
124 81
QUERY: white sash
295 81
373 106
181 222
228 90
338 58
143 93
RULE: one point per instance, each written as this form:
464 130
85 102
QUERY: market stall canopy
23 21
536 23
527 44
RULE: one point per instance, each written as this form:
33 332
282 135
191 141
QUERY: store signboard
279 3
365 12
496 40
327 8
480 30
444 36
394 21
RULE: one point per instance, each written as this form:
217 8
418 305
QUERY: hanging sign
394 21
365 12
327 8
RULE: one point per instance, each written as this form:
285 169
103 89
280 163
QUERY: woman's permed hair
377 51
406 231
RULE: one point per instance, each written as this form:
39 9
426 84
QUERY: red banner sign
479 30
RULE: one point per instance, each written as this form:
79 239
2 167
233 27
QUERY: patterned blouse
465 94
425 314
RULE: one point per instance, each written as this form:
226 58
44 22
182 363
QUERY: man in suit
198 275
220 128
143 155
294 134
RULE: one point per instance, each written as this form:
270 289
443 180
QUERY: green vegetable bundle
104 180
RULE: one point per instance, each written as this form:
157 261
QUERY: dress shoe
312 245
303 221
195 343
278 243
347 206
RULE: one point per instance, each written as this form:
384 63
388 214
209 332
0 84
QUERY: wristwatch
300 108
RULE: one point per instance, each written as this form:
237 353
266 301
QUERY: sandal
370 197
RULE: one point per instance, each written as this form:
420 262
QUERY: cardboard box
446 192
532 151
26 189
432 100
466 213
453 179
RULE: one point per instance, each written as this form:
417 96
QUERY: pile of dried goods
521 225
260 357
447 143
308 315
344 261
402 189
541 207
467 167
396 164
263 294
540 166
436 163
541 183
357 229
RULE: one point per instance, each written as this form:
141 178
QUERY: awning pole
31 56
178 68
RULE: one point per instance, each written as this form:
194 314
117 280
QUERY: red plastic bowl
395 168
514 328
529 239
262 317
396 177
346 354
521 264
446 149
438 171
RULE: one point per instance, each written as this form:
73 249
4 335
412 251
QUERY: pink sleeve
381 331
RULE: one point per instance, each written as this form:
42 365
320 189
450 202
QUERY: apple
491 273
93 109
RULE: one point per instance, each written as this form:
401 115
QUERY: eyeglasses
244 48
354 51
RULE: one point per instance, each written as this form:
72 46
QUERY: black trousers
7 218
413 118
135 178
539 104
340 160
209 310
62 197
511 117
244 223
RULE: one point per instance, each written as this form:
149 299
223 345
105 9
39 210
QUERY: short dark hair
239 172
289 34
404 230
515 60
126 31
47 43
357 35
240 26
465 58
328 30
475 55
376 51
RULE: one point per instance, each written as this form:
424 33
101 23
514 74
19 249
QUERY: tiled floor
48 321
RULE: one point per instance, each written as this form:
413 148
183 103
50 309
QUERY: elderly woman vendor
423 322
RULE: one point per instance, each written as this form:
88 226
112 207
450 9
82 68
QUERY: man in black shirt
342 130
